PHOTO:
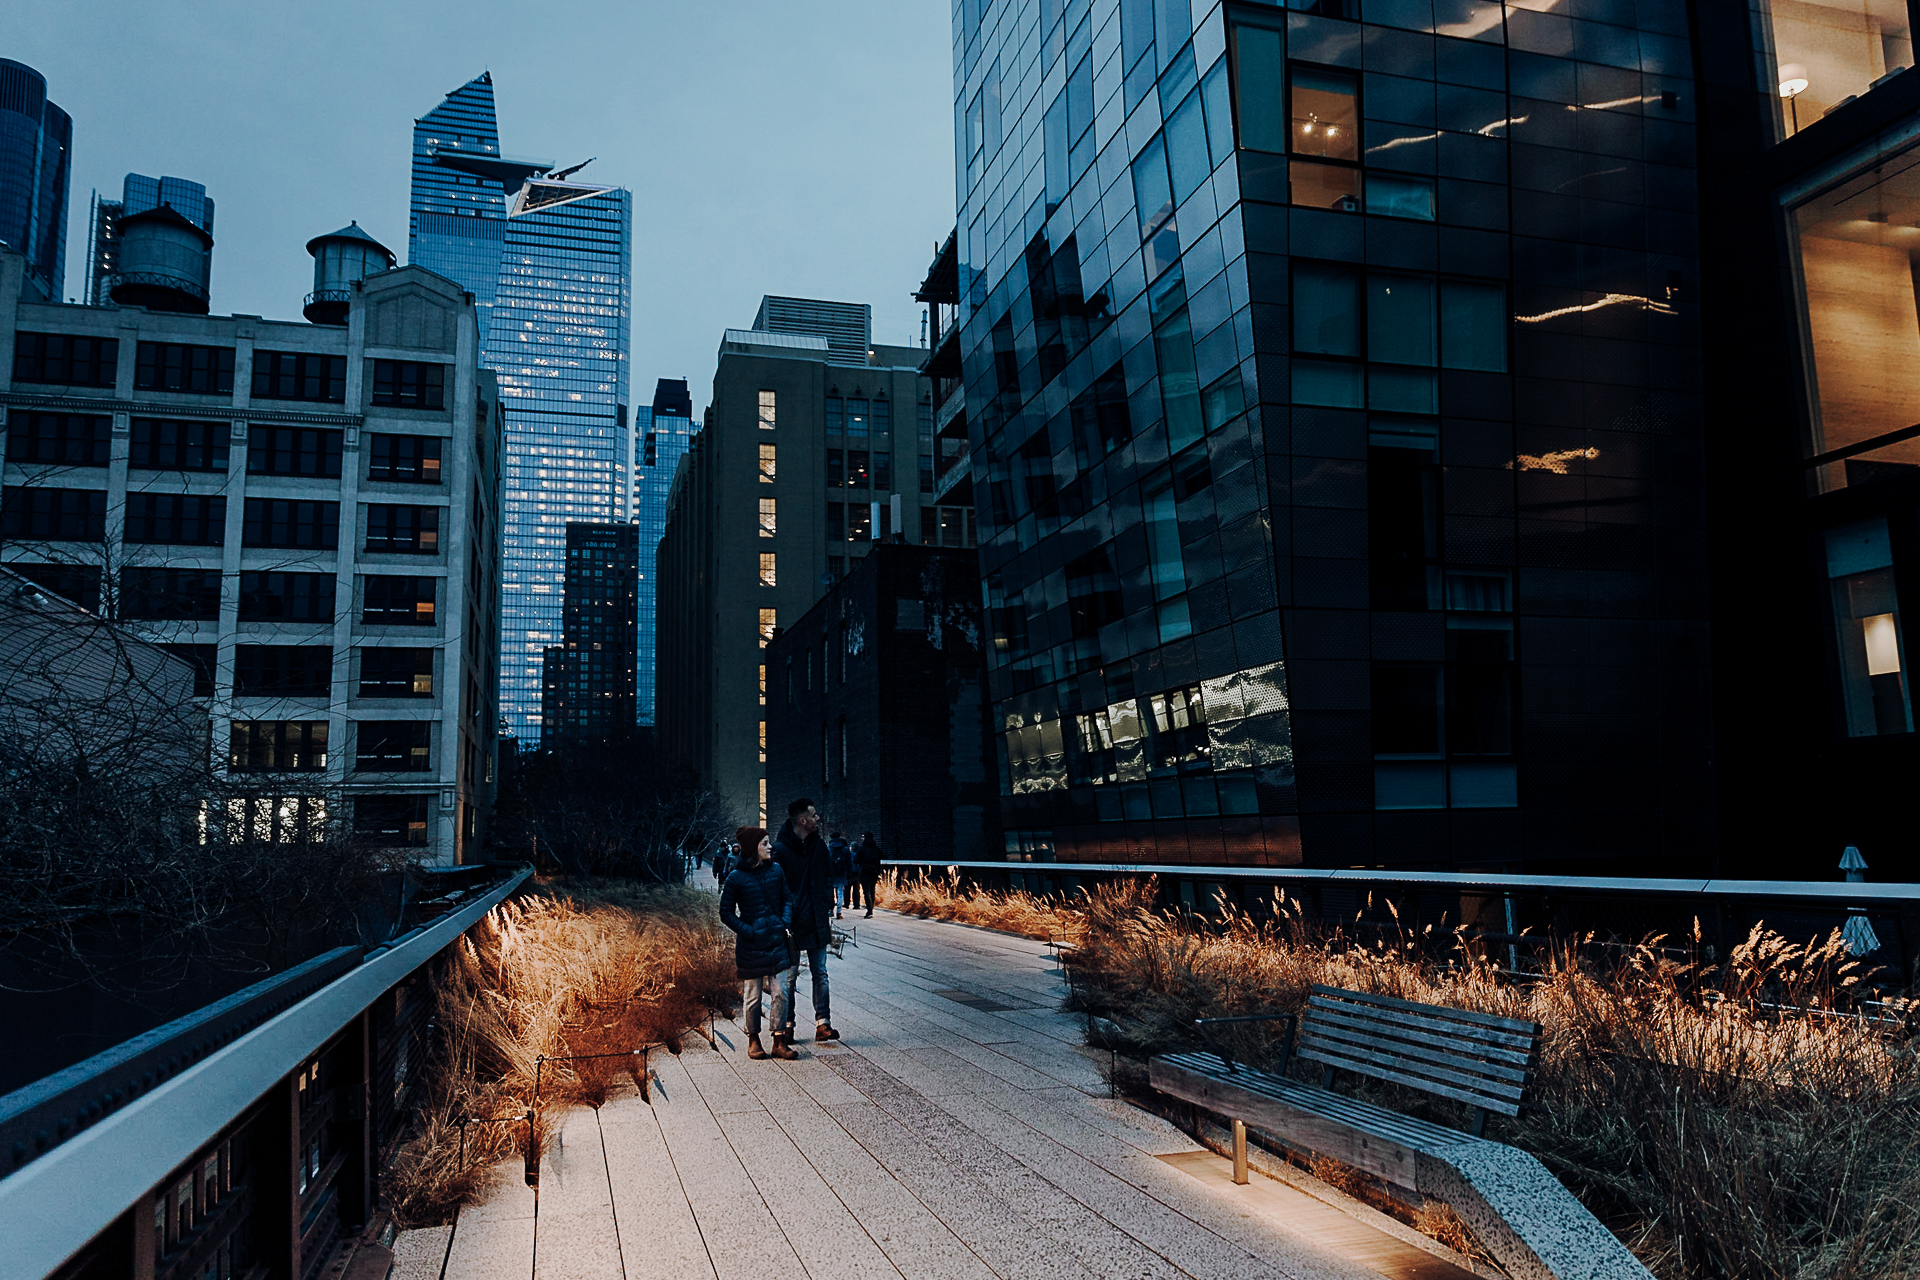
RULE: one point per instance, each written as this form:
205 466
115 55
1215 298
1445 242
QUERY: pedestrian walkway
959 1130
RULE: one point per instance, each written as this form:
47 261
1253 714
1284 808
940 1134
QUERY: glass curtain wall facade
36 156
661 433
458 221
589 676
1331 378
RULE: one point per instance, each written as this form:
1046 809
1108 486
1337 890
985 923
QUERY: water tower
165 262
341 259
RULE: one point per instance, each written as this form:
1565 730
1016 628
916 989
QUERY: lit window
766 517
766 569
763 736
766 410
768 621
763 681
763 802
766 464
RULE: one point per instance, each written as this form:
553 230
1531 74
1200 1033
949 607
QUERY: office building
36 156
661 433
549 262
138 194
309 513
791 477
1332 392
876 707
588 678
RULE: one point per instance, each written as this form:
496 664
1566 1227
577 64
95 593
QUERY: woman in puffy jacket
756 905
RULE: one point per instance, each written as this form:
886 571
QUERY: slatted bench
1529 1222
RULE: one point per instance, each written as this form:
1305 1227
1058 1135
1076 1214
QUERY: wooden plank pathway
959 1130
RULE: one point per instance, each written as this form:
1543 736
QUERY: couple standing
778 903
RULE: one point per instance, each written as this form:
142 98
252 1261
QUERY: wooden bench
1529 1222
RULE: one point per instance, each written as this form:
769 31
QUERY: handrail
50 1209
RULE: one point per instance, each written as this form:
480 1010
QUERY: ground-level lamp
1793 83
1857 931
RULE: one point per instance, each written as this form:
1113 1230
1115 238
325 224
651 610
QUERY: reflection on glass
1866 615
1323 186
1393 196
1825 53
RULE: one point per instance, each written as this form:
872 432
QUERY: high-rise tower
36 153
661 433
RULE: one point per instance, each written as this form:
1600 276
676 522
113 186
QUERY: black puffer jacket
755 904
809 869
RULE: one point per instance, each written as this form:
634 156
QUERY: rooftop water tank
340 260
165 262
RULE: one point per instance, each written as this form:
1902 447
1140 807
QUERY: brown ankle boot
782 1049
754 1050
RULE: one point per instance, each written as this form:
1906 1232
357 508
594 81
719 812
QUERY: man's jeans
779 986
817 961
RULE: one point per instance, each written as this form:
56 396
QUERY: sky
802 149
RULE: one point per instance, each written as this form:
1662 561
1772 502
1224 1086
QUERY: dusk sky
771 147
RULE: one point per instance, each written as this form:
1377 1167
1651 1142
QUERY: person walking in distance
803 855
842 859
756 904
866 867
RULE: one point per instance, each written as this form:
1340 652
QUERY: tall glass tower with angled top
549 263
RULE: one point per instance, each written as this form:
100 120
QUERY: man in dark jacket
866 867
803 856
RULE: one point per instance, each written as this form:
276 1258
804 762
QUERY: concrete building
310 513
661 433
876 707
589 675
805 457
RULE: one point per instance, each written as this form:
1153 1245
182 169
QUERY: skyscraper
588 678
550 262
661 433
36 153
138 194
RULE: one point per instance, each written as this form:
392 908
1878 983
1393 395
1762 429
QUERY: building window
289 375
403 530
767 410
398 601
280 522
61 515
1403 515
1874 697
883 471
294 451
392 820
170 595
282 670
203 658
79 583
404 459
1443 733
836 522
769 621
858 473
763 740
393 746
1402 325
857 411
766 464
859 522
177 519
60 439
836 468
763 802
174 366
161 444
260 745
1818 56
1168 568
763 680
286 597
396 673
836 412
409 384
768 518
767 576
65 360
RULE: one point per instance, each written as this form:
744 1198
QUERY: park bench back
1475 1058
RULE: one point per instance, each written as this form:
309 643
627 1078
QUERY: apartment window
883 472
403 530
203 658
1402 325
769 622
286 597
409 384
289 375
65 360
396 673
1403 515
767 410
767 569
404 459
926 473
162 444
768 519
859 521
294 451
59 439
763 680
273 820
857 411
177 519
1166 565
261 745
79 583
175 366
170 595
1870 644
859 473
836 522
836 468
393 746
279 522
1179 375
392 820
1816 57
836 413
1443 733
766 464
1153 197
282 670
62 515
763 740
398 601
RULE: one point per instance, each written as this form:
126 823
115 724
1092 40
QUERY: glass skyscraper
36 154
661 433
550 264
138 193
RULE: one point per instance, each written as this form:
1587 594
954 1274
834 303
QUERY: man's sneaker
754 1050
823 1033
783 1050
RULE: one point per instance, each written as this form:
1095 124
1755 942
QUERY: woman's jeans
778 986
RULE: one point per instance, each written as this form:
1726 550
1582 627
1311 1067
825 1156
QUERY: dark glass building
138 194
1332 391
36 156
588 678
661 433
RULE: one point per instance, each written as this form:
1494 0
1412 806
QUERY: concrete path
959 1130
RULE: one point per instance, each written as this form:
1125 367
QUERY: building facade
36 156
791 478
308 513
876 707
589 676
661 433
138 193
1332 395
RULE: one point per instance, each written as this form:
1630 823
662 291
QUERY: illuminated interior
1828 52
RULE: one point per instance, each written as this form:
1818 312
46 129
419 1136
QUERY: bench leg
1239 1153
